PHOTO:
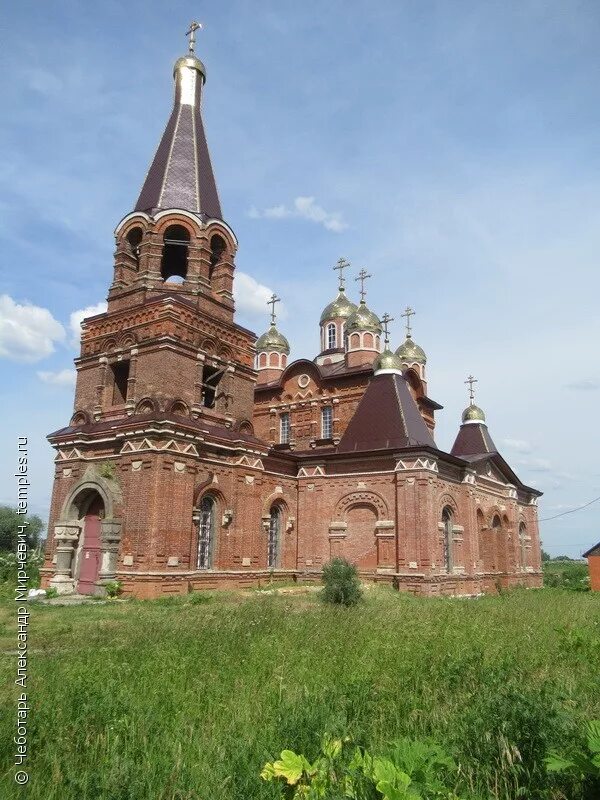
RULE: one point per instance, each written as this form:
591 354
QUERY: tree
546 556
9 527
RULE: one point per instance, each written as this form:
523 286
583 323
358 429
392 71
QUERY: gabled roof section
473 440
181 174
387 417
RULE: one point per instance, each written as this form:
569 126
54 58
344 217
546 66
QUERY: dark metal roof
387 418
473 440
181 174
593 551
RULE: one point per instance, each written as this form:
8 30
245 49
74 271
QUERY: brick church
199 456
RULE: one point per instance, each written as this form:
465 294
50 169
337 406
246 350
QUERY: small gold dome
473 414
363 319
190 61
273 340
410 352
340 308
387 360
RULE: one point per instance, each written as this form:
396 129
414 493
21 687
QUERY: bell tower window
174 262
120 372
217 248
134 240
210 380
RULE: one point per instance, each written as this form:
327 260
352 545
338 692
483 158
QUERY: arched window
174 262
273 360
262 360
206 532
354 341
134 240
522 545
448 522
217 248
331 336
284 428
327 422
368 340
274 537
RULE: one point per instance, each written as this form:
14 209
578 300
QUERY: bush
112 588
341 585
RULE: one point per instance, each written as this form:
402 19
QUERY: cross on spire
194 26
341 265
362 277
471 380
385 321
274 299
408 313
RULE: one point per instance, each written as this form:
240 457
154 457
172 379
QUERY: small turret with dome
473 436
272 349
333 321
410 354
363 330
387 362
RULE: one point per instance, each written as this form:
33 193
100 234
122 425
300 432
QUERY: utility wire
572 511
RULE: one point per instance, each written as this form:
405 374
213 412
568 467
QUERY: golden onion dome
473 414
410 352
340 308
387 361
363 319
273 340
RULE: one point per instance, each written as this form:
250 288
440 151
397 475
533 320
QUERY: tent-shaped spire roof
473 439
181 174
387 417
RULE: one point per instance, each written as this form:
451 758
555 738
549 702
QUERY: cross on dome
408 313
194 26
471 380
385 320
341 265
274 299
362 277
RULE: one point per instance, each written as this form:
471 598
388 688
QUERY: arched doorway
448 523
88 556
206 532
274 541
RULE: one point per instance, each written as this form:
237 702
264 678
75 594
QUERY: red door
90 555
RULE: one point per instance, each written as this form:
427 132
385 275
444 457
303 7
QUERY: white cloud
251 296
535 464
27 332
78 316
518 445
584 385
303 208
64 377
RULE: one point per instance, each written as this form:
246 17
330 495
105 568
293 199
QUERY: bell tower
165 379
172 289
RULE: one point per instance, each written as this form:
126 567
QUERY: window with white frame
327 422
284 428
331 336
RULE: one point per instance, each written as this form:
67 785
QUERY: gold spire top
274 299
385 321
408 313
362 277
194 26
341 265
471 380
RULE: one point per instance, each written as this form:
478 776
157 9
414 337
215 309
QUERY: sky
452 149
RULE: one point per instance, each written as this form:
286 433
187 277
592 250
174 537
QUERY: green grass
567 575
175 699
